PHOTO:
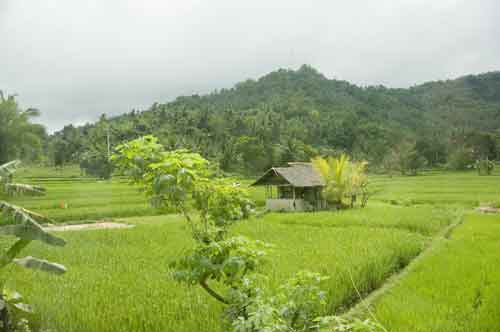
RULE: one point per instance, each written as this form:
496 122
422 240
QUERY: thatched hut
297 188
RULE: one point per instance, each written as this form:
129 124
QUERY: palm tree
332 171
19 137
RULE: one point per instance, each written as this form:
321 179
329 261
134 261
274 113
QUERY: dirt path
93 226
488 209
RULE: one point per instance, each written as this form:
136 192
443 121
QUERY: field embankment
454 288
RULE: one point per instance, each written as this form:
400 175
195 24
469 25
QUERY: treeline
19 137
292 115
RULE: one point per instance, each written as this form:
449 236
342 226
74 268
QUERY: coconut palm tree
19 137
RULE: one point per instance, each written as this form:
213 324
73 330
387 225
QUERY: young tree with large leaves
180 180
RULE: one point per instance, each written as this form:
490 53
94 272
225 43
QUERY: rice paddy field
453 288
118 280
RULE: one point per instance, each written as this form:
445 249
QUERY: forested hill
294 114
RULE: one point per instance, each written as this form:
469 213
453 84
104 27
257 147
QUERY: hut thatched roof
296 174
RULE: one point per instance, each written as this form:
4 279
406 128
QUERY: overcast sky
75 59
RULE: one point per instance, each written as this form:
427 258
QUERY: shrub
96 164
345 180
460 159
484 166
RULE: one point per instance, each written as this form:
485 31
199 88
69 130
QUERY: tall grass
455 288
118 279
439 188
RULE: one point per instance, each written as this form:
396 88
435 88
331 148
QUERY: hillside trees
289 114
95 157
405 159
433 150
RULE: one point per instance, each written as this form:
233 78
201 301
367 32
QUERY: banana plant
15 189
24 226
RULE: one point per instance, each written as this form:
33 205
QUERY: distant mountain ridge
291 114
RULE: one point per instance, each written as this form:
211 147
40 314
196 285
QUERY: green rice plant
23 225
173 179
454 287
126 274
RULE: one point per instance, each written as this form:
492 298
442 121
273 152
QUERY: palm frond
321 166
31 112
23 224
9 210
40 264
6 170
16 189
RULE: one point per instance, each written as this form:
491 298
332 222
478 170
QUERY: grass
124 273
91 199
118 279
72 197
439 188
454 288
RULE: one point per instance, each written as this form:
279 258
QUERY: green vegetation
293 115
121 280
72 198
19 138
227 267
344 180
23 225
439 188
125 272
91 199
453 288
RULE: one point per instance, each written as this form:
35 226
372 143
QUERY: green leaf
11 296
29 231
40 264
15 189
26 226
13 251
23 307
9 168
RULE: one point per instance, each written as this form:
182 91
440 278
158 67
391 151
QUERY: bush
96 164
460 159
484 166
345 180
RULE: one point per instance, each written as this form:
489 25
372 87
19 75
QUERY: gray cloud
77 59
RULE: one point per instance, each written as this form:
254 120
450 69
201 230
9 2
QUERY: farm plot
454 288
466 189
118 280
72 198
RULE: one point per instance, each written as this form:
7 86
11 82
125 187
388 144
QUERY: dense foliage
345 180
19 138
292 115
